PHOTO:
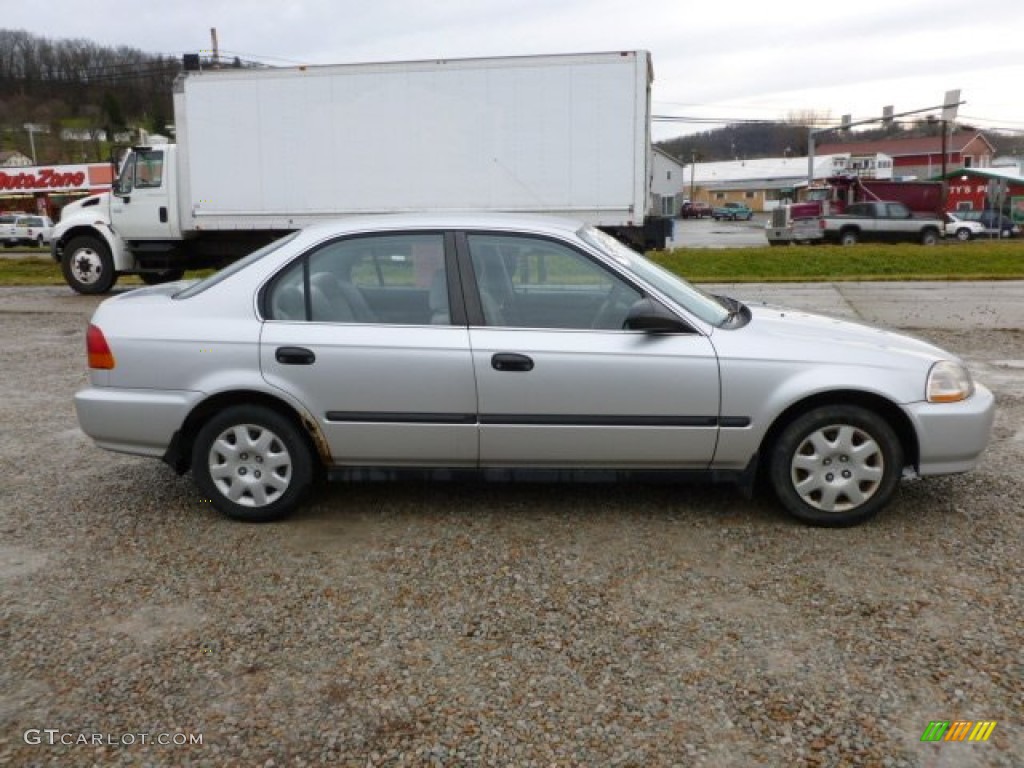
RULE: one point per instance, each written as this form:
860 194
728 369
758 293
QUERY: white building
667 184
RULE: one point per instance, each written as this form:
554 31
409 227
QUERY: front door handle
294 356
510 361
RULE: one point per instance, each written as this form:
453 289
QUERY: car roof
443 220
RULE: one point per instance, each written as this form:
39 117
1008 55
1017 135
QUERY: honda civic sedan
500 342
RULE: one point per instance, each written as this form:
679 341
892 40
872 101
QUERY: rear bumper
952 436
136 421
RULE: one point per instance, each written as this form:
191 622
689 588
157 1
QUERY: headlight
948 382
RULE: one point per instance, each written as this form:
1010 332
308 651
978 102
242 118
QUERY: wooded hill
71 90
752 140
58 85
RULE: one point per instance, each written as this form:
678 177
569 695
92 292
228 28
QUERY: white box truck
261 152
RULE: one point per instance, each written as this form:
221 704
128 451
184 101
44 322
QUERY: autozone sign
53 179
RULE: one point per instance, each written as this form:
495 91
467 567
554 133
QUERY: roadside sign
951 104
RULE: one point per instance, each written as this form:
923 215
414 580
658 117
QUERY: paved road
708 233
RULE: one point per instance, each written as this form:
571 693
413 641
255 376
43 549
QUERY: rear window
231 269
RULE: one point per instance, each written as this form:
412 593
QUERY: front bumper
136 421
952 436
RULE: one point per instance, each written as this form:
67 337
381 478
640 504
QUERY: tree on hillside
79 84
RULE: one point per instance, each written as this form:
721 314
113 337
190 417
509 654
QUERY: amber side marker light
96 345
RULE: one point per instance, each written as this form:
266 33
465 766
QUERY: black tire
165 276
930 237
848 237
87 265
963 234
836 466
269 479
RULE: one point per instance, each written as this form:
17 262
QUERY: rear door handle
294 356
510 361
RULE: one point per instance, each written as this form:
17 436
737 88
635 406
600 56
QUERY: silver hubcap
250 465
837 468
86 266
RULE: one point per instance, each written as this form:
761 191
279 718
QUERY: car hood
826 337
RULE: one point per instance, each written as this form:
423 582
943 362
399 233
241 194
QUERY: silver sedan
511 343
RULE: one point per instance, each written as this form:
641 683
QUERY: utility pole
812 132
31 128
216 48
693 164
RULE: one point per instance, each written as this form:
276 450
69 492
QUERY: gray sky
735 59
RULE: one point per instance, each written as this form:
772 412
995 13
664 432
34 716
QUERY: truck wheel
848 237
87 265
836 465
929 237
164 276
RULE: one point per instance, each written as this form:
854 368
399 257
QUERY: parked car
994 222
500 342
27 229
691 209
732 211
962 229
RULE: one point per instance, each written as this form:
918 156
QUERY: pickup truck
25 229
733 211
691 209
881 220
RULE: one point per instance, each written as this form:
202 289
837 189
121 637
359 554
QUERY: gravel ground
394 624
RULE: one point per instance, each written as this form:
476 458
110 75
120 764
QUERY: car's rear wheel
836 465
87 265
930 237
848 237
252 463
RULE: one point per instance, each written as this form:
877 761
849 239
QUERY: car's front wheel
930 237
836 465
963 234
252 463
87 265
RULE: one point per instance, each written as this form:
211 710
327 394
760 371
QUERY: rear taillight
96 345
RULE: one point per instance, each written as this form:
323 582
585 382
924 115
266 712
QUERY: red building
921 156
975 189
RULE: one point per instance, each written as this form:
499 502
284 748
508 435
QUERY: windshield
231 269
693 299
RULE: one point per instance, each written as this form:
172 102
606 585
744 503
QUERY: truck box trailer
261 152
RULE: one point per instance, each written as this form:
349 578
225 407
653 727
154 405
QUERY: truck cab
142 203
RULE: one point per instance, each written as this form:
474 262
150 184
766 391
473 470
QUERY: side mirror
652 317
